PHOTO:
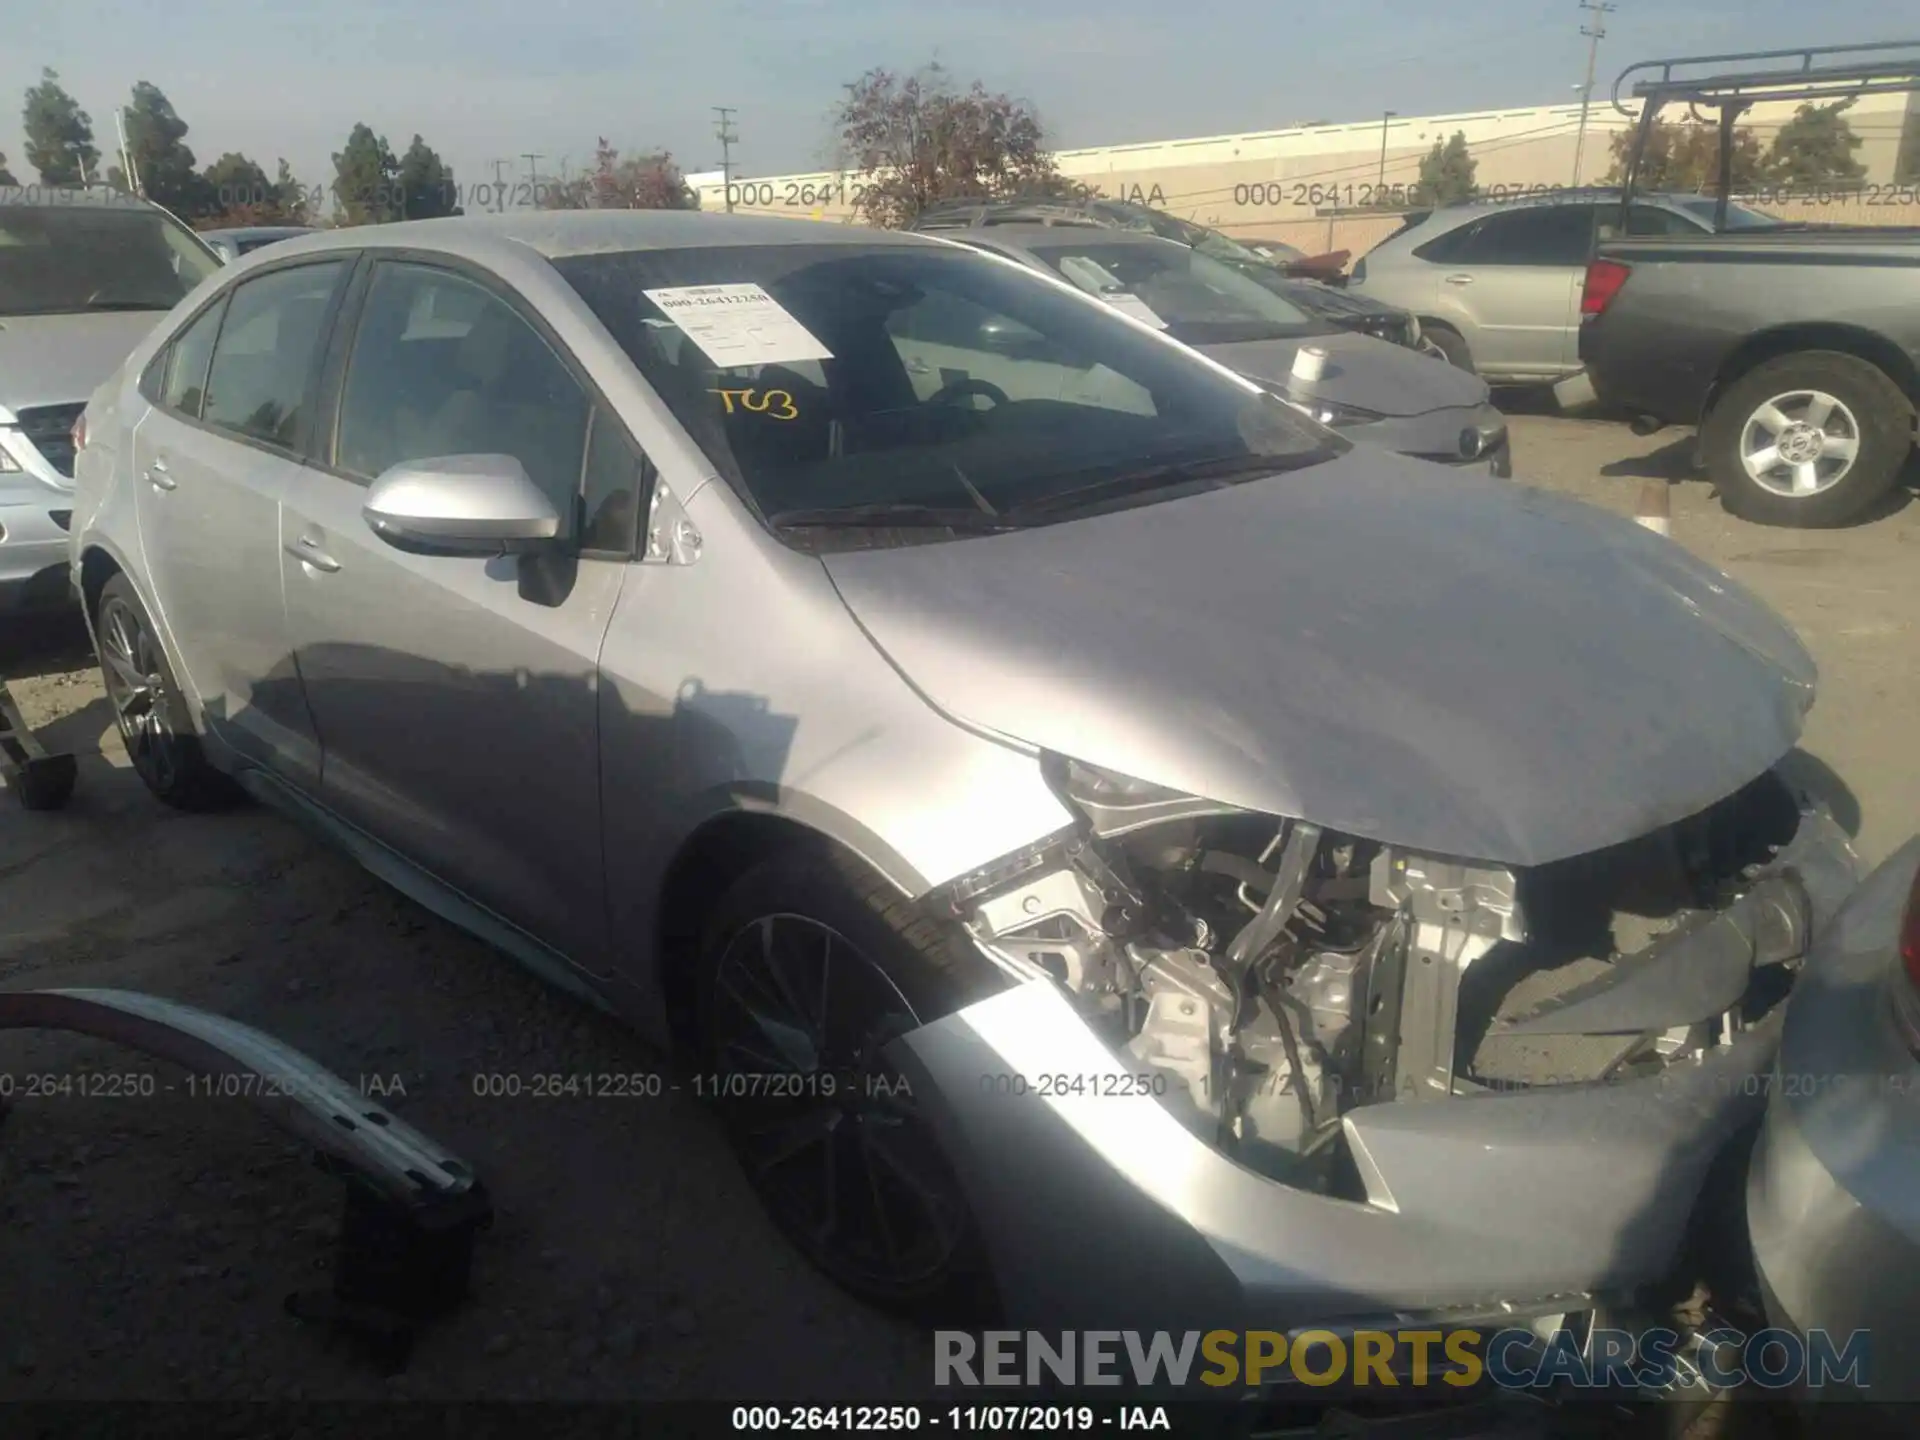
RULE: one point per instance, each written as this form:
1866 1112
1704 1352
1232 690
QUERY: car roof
557 234
253 232
1025 237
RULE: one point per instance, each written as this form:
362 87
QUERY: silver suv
1496 286
84 274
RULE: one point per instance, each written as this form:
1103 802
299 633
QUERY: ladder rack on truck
1810 74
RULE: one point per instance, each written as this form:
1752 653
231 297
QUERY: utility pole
723 128
533 160
1595 33
1380 181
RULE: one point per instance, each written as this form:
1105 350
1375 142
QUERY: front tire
1809 440
152 715
1450 343
809 968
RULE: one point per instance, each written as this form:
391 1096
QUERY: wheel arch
1833 335
100 561
710 860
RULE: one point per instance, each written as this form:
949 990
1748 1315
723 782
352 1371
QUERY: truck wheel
1810 440
809 967
1449 342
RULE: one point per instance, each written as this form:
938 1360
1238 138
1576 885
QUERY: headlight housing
1115 804
1323 412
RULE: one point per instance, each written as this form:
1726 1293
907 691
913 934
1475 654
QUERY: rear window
72 258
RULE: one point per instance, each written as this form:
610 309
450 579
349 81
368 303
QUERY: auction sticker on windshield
738 325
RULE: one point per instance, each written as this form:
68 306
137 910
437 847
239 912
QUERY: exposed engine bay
1269 976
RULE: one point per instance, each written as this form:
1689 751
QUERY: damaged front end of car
1252 1070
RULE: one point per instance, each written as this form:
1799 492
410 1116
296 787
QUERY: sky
488 81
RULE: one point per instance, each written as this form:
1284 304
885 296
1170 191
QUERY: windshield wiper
127 305
1153 477
885 514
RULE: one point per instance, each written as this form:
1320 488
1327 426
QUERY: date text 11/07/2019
960 1419
397 197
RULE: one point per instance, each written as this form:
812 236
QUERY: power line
1595 33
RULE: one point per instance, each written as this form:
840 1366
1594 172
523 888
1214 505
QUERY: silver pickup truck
1795 350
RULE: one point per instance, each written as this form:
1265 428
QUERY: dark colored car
1294 280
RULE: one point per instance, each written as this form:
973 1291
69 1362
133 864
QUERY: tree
426 184
919 139
295 208
6 175
239 190
648 180
1685 156
1446 172
1815 147
59 134
162 163
365 191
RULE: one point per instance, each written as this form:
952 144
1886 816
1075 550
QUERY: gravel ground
148 1243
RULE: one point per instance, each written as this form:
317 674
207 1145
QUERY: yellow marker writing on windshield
774 404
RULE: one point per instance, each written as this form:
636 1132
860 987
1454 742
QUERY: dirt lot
148 1243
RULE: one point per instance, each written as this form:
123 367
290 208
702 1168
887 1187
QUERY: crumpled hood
60 359
1374 374
1402 651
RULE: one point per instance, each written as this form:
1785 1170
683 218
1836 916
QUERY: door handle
157 476
308 550
1459 279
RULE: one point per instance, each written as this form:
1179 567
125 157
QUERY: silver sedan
1104 841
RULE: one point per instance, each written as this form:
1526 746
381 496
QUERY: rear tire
809 966
1840 428
1450 343
152 716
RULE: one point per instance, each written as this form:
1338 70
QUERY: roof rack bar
1809 78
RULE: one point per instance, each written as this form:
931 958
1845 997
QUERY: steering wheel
959 389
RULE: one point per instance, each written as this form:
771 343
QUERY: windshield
62 259
1198 299
875 379
1739 217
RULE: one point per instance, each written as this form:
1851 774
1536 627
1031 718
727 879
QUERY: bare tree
917 139
650 180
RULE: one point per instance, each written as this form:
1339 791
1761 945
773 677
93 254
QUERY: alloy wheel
1800 443
137 688
827 1131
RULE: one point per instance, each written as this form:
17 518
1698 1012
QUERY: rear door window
1547 235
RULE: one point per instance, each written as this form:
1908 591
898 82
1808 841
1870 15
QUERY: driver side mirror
461 505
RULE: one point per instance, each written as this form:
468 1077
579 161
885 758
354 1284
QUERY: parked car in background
1496 284
84 274
1276 252
1796 353
232 243
1371 390
720 654
1302 283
